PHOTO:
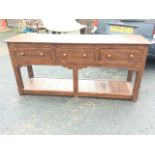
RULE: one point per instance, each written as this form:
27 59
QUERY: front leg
137 85
19 80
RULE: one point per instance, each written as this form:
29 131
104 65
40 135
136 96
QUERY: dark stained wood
76 52
120 57
72 54
30 71
33 55
139 75
137 85
17 72
19 80
75 80
129 75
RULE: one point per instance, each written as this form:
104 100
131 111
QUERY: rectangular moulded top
79 39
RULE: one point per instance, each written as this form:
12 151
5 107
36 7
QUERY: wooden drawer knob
109 56
131 56
64 54
84 55
22 54
41 54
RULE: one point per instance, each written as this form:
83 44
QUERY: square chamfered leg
129 75
75 80
136 87
19 80
30 71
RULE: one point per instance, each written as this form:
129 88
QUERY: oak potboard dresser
76 52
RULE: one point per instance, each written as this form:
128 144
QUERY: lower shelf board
98 88
49 86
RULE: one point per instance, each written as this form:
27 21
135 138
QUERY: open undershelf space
106 87
85 86
48 84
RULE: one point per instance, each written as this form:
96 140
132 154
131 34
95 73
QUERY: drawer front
120 57
77 56
34 55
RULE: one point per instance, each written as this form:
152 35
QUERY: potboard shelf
92 87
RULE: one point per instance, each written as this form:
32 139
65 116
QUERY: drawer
77 56
34 55
120 57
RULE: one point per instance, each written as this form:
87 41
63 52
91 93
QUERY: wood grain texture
84 39
47 84
86 86
129 75
30 71
77 52
104 87
75 80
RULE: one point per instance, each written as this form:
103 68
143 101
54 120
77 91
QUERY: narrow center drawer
75 55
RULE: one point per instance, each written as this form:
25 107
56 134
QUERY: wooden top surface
79 39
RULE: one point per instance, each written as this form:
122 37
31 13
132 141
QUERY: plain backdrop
77 9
